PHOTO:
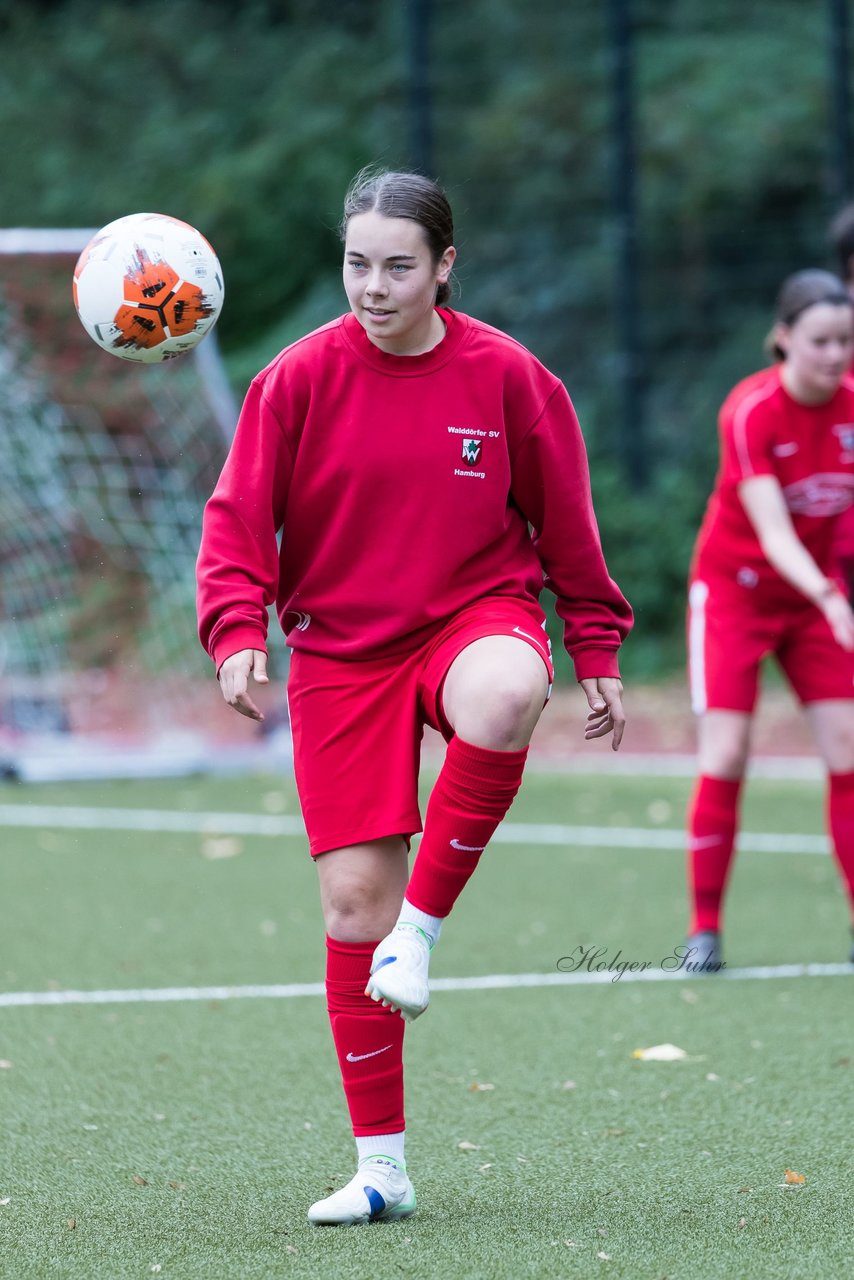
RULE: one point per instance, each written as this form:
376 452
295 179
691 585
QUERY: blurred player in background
762 581
842 237
429 476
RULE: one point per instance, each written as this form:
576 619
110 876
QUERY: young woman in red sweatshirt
429 478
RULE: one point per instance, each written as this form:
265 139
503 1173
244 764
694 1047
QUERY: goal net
105 467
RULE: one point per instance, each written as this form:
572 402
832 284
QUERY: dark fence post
623 181
839 53
420 95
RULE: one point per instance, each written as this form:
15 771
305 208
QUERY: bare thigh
494 693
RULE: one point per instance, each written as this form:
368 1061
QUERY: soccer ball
148 287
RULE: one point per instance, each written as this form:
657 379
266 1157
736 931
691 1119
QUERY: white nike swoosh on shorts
468 848
358 1057
528 636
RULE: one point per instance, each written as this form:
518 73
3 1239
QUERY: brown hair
801 291
400 194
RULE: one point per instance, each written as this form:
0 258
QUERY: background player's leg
833 727
361 889
493 695
724 744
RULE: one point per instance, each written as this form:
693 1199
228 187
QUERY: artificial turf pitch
186 1138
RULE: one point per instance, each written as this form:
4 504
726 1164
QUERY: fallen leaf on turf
6 1200
570 1244
72 1223
660 1053
177 1186
743 1190
523 1159
289 1248
477 1087
742 1223
467 1146
794 1179
140 1182
483 1168
221 847
605 1256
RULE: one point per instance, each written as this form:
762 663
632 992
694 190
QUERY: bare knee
500 714
724 744
361 889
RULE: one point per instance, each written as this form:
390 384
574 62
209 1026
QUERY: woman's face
390 279
819 346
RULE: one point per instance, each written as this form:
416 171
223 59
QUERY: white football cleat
379 1192
400 972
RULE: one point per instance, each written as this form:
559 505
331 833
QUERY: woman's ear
780 336
446 263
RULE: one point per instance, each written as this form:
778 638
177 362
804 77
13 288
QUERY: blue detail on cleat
387 960
375 1200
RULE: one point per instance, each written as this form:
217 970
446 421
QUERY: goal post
105 466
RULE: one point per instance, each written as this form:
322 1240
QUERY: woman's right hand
839 615
234 679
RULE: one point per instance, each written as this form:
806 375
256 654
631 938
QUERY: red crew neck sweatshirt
404 487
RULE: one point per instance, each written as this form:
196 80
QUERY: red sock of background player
840 819
712 821
472 794
369 1043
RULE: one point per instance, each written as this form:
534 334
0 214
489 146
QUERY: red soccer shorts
731 629
357 726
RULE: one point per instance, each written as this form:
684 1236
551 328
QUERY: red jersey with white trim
810 450
404 487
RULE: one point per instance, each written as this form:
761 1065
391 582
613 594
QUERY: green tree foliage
248 120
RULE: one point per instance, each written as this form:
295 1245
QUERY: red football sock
472 794
840 819
712 820
368 1040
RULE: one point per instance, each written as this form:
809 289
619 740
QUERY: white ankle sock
382 1144
430 925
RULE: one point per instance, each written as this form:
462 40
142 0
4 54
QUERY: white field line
488 982
257 824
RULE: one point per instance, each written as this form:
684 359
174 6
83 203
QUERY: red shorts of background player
731 629
357 726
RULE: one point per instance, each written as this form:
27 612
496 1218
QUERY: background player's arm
762 499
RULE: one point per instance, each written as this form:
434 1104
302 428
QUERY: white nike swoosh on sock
357 1057
468 848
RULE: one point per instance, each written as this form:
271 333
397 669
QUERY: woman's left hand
606 715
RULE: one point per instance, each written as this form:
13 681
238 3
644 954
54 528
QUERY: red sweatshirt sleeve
551 485
238 564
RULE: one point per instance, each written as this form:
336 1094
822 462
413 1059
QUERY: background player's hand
234 680
606 715
840 619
